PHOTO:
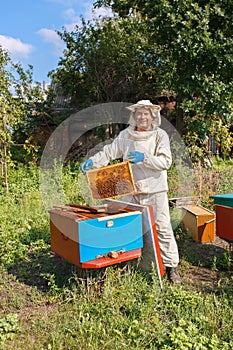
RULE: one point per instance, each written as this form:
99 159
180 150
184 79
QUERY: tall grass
47 304
202 181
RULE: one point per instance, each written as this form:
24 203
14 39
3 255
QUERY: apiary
200 222
111 181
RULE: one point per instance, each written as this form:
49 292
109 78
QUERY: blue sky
28 30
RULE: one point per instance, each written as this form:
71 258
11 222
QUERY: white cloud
71 19
103 12
70 15
88 14
50 36
16 47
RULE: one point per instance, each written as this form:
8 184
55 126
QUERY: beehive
96 239
111 181
200 222
223 199
224 222
224 215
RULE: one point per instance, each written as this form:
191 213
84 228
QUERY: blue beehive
97 237
80 238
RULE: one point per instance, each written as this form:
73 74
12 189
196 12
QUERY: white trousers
167 242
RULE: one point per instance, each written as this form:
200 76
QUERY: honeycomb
111 181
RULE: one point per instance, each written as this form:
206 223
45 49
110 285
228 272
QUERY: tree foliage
147 47
22 103
105 61
11 111
194 47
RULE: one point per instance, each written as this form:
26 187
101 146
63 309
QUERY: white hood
155 111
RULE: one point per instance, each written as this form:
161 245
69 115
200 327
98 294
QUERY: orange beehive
200 222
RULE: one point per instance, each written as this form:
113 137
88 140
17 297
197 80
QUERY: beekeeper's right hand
87 165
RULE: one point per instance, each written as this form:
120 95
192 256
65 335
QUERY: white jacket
150 176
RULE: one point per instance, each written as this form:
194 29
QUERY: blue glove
135 157
87 165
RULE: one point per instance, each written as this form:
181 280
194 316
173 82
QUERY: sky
28 30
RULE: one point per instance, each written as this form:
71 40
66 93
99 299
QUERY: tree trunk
4 160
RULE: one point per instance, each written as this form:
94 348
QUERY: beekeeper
147 147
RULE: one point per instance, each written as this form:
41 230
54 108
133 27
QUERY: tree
20 98
193 42
108 60
11 111
40 119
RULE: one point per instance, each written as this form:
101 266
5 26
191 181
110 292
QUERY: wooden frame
111 181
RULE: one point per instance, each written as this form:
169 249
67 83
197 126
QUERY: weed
50 306
9 326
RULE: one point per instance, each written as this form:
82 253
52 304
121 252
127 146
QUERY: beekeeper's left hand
135 157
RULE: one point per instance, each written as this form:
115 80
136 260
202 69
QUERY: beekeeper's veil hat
155 111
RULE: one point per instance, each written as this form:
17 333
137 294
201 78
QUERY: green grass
47 304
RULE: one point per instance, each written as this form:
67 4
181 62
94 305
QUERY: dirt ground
210 263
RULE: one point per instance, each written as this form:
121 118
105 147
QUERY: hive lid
111 181
223 199
198 210
226 196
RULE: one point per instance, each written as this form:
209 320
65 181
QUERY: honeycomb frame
111 181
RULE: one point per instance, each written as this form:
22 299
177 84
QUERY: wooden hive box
224 215
84 241
224 222
200 222
111 181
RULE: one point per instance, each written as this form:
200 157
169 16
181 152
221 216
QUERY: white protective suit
150 177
